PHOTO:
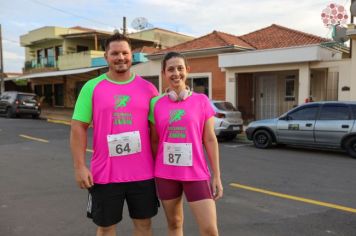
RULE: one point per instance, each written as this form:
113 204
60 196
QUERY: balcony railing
47 62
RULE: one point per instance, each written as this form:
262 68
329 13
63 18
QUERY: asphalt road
280 191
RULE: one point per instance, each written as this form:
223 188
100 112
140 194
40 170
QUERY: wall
210 65
78 60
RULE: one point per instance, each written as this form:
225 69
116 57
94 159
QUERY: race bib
124 143
177 154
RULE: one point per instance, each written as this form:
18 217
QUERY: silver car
228 122
321 124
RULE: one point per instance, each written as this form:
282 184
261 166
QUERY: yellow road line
58 121
89 150
300 199
33 138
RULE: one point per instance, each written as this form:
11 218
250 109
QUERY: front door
267 97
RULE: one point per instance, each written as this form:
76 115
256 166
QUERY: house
58 61
202 54
286 67
264 73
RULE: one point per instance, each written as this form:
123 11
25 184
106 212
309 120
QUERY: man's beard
121 69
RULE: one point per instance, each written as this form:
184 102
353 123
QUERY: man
117 104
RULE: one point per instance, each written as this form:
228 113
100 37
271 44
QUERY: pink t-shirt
116 108
181 123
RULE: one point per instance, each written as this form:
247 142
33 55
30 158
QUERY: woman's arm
154 140
212 148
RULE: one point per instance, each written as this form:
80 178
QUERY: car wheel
262 139
230 137
350 147
36 116
9 113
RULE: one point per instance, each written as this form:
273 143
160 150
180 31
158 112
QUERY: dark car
321 124
14 104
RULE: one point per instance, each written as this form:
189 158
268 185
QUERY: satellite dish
139 23
339 34
353 8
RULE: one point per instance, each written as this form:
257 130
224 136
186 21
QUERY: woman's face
176 73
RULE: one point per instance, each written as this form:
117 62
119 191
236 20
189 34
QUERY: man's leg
106 231
143 204
142 227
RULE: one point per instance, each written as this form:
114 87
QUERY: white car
228 121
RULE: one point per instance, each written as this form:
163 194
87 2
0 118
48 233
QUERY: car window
26 98
304 113
353 108
225 106
334 112
4 96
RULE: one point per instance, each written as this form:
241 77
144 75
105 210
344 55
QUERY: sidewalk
57 114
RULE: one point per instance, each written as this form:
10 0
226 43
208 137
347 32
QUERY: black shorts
106 201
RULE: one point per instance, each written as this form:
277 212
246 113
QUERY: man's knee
142 225
109 230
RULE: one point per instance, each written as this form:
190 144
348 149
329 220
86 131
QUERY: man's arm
78 144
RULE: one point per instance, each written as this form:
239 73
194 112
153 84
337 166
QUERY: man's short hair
116 37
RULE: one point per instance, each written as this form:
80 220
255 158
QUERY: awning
58 73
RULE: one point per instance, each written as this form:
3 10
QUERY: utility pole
2 84
124 28
353 2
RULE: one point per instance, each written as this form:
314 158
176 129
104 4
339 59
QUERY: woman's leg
174 215
204 212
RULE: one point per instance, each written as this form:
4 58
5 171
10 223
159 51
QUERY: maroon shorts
168 189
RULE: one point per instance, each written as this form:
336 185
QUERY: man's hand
83 177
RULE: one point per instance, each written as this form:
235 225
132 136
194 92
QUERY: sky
191 17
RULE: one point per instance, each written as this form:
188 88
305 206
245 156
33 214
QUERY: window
199 84
38 90
40 56
304 113
225 106
334 112
59 51
290 88
82 48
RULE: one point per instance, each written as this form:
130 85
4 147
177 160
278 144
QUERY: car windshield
26 98
225 106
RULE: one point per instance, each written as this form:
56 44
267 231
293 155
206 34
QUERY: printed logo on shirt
122 118
176 115
121 100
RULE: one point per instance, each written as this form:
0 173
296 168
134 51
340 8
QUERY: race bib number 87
124 144
177 154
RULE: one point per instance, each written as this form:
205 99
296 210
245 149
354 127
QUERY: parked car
13 104
320 124
228 122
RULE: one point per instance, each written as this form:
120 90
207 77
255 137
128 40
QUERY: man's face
119 56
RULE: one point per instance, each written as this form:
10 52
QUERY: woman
181 123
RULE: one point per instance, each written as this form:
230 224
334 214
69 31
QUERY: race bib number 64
124 143
177 154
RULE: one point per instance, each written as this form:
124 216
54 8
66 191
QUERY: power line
72 14
11 40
